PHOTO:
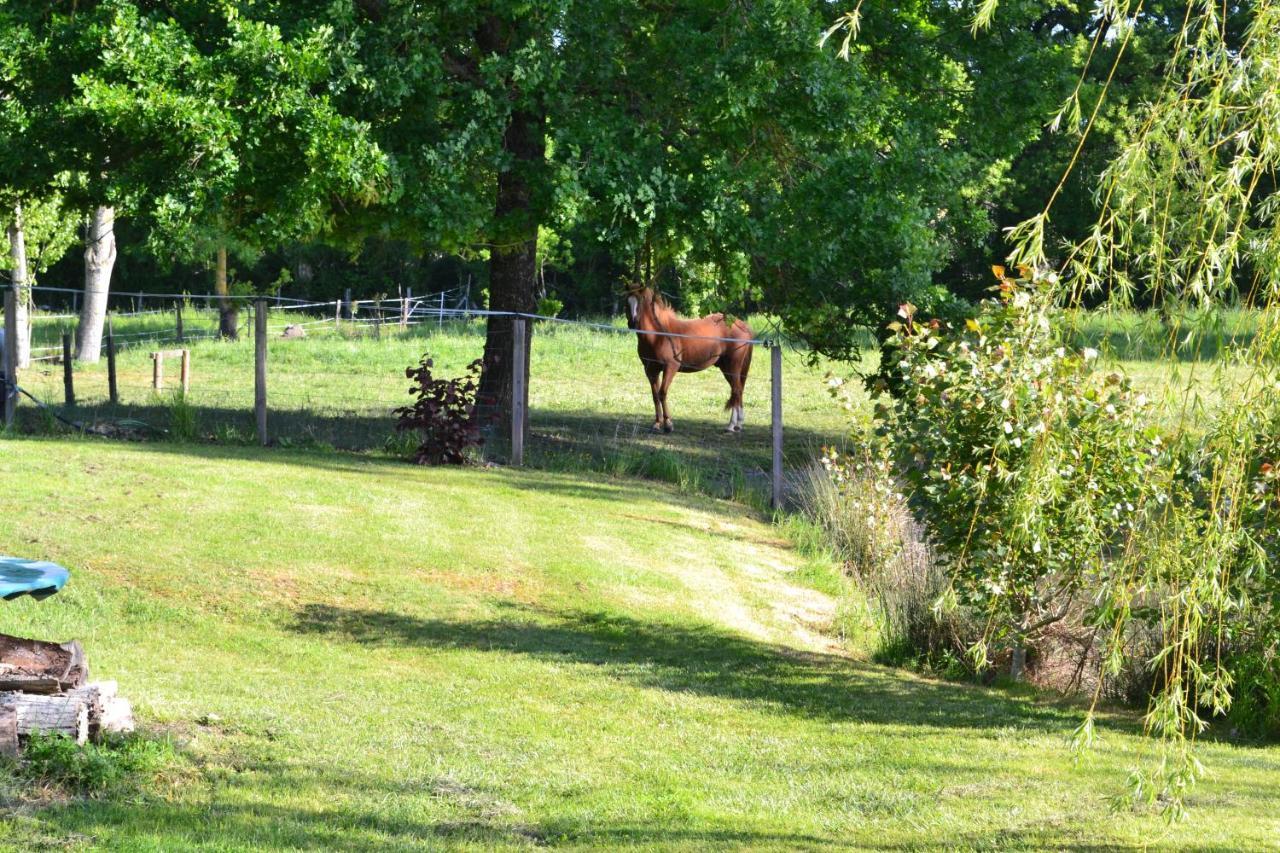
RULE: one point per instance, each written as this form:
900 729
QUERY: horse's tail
741 369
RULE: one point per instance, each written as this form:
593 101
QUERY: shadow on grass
700 457
161 825
696 659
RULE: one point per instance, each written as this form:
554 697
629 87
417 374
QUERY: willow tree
1188 217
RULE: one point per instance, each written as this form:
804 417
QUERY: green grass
353 653
590 406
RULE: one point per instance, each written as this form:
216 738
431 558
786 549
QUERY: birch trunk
18 256
228 316
99 258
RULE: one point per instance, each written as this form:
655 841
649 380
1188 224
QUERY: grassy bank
350 652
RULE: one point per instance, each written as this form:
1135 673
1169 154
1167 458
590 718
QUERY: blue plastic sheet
36 578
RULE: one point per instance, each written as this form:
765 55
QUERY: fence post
260 368
10 390
68 381
337 313
440 316
157 371
517 390
178 310
775 386
186 372
404 308
112 391
348 310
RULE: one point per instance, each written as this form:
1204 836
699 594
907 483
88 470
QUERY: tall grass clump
867 527
184 424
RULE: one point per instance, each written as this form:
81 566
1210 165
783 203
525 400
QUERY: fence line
396 312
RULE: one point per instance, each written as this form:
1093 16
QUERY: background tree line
553 146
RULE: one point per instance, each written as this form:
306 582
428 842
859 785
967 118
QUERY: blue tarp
36 578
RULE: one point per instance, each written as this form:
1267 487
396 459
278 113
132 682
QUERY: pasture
352 652
590 405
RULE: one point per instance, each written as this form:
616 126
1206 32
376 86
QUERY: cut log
37 666
8 731
67 714
96 695
117 716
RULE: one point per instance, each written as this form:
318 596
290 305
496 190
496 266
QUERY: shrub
1026 463
1064 516
92 768
444 415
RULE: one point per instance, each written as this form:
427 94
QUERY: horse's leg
655 383
668 374
732 371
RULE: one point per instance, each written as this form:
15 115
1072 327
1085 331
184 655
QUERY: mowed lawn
360 654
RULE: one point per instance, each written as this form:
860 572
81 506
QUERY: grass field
354 653
590 406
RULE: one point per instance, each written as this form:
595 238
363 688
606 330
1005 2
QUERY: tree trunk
18 256
513 266
99 259
228 315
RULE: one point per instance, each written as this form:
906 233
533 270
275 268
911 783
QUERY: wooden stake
404 309
68 381
10 360
186 372
157 371
517 390
775 384
260 369
112 391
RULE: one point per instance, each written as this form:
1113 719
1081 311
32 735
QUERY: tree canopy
724 150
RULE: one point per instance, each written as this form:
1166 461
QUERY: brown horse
669 344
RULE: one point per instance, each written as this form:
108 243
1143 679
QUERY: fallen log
67 714
37 666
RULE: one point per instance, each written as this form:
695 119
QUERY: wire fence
335 374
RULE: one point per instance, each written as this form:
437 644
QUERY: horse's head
638 297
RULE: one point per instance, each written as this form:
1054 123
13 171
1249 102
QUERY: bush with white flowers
1024 461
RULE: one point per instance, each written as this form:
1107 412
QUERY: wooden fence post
10 390
178 311
404 308
518 398
112 391
68 380
260 369
337 313
349 309
186 372
775 385
157 371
